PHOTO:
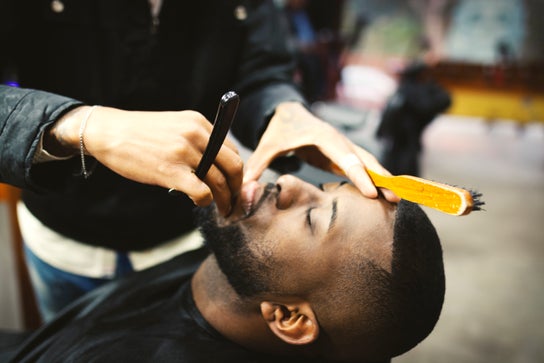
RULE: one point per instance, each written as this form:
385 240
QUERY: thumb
254 168
257 164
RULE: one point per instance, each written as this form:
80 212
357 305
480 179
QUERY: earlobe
294 323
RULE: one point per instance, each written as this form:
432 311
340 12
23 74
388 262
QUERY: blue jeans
55 289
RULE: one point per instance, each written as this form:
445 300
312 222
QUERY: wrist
62 137
82 150
293 113
290 106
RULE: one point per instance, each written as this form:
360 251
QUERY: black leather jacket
108 52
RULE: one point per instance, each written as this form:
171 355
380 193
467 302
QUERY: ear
294 323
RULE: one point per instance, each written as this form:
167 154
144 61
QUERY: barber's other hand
160 148
294 129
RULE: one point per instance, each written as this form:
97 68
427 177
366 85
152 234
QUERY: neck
237 319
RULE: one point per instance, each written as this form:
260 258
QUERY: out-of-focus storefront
488 54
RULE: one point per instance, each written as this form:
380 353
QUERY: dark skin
297 224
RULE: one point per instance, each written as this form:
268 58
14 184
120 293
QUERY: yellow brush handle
446 198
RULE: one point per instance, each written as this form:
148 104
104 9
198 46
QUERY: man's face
300 233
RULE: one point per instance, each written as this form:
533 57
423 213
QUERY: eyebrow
334 213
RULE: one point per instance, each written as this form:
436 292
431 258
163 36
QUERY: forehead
364 226
356 201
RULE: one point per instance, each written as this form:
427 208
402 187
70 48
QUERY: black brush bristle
477 203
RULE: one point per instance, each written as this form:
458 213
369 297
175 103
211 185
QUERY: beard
231 248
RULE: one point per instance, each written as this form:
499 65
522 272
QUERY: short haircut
398 309
417 277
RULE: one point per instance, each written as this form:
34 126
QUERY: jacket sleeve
266 70
24 115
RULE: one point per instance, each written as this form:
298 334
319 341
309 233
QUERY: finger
231 165
372 163
355 171
231 145
257 163
182 171
222 196
350 165
389 195
187 182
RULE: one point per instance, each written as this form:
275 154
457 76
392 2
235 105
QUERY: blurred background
488 58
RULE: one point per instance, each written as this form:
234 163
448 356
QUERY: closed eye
309 217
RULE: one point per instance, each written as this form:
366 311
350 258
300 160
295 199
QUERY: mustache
270 189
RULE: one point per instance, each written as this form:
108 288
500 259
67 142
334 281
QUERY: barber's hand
294 129
159 148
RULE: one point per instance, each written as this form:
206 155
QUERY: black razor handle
221 125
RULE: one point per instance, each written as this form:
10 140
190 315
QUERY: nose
295 192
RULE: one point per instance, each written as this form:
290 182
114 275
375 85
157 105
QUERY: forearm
265 72
24 116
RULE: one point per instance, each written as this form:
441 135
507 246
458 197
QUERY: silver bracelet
82 149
